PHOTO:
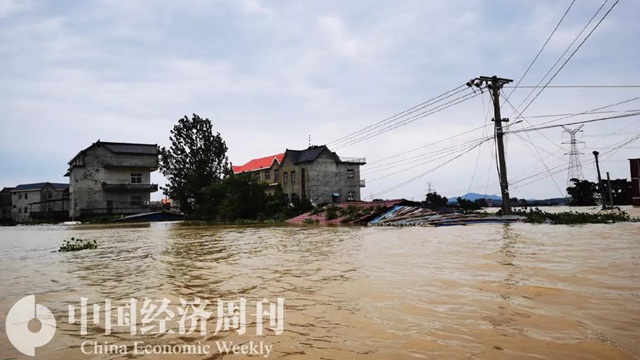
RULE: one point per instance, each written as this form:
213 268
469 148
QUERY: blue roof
40 185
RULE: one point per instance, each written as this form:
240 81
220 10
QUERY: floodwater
489 291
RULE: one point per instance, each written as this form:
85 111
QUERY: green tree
197 158
582 192
621 189
466 205
435 201
482 203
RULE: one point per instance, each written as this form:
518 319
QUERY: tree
482 203
582 192
434 201
466 204
196 159
621 189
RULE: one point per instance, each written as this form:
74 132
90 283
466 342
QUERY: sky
273 74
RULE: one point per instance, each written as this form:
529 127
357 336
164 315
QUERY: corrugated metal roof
258 164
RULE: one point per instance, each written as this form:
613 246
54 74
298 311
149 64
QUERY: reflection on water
469 292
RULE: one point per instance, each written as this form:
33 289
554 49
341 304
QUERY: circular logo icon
21 337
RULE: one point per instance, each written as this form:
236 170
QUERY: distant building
39 201
112 178
5 204
265 169
320 175
635 181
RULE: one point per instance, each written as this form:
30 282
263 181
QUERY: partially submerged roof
258 164
40 185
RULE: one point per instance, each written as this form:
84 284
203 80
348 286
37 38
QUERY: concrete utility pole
604 198
610 191
494 84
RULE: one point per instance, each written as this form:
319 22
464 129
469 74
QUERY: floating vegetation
538 216
77 245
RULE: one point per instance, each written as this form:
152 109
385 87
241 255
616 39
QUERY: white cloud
271 73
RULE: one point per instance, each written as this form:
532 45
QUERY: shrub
77 245
332 212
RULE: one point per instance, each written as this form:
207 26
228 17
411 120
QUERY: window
258 176
276 172
26 210
285 177
26 196
350 174
136 201
351 196
49 195
136 178
293 177
20 196
267 174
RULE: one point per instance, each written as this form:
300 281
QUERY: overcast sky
269 74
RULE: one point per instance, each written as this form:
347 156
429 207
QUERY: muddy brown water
487 291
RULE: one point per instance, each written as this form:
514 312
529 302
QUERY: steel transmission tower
575 167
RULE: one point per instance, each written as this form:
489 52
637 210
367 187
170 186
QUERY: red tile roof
257 164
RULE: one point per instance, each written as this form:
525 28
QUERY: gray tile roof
127 148
40 185
306 155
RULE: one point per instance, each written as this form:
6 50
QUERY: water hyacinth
77 245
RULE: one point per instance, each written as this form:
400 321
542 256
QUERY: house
112 178
265 169
39 201
5 205
635 181
320 175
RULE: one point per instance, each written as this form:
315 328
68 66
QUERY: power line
421 115
426 172
575 87
402 113
575 123
570 56
541 49
430 144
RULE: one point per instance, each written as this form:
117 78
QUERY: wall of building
323 178
20 203
635 181
5 204
23 202
86 189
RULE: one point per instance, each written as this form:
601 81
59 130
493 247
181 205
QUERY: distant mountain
476 196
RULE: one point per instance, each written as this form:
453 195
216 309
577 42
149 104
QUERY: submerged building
264 169
316 174
39 201
635 181
112 178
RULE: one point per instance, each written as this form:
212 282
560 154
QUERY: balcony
130 187
362 183
353 160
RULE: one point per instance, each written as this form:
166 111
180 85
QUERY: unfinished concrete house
112 178
39 201
320 175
